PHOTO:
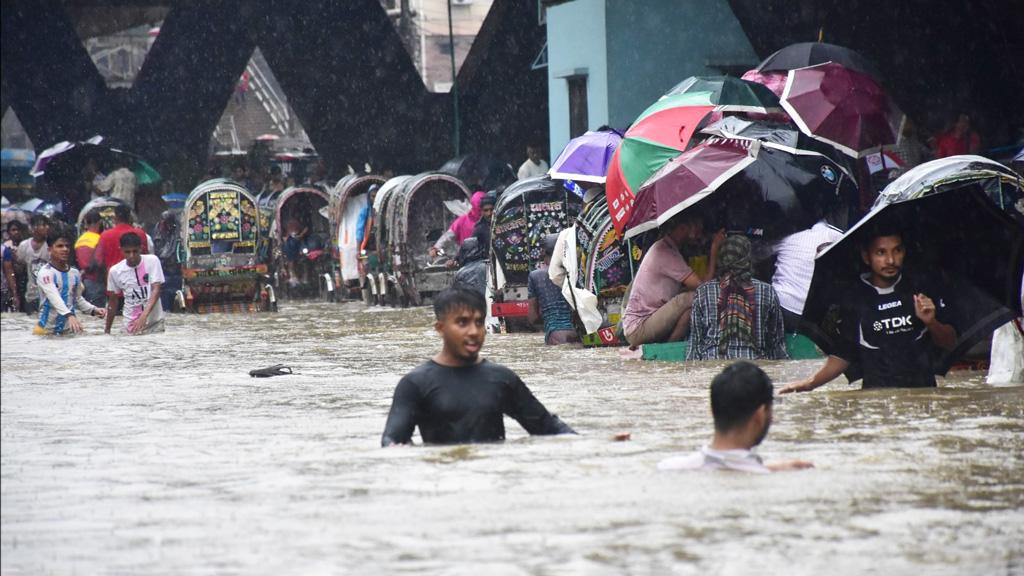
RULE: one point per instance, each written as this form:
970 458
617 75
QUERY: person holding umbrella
888 322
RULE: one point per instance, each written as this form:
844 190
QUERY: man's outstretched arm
532 415
833 367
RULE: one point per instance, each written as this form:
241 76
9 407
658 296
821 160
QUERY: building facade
608 60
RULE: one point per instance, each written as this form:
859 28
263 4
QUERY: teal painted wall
576 42
654 44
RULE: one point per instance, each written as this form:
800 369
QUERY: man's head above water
741 404
883 252
460 317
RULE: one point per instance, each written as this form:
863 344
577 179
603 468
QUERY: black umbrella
479 171
958 237
759 188
811 53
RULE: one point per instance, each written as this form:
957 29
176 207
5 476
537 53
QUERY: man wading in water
887 323
458 397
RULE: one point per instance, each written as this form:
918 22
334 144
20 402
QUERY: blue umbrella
175 200
585 158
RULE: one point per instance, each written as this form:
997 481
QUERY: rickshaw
526 212
302 261
412 215
606 265
221 233
348 199
105 205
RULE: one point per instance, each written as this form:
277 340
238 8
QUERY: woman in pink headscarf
462 227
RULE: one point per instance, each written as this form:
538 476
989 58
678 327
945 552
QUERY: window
578 115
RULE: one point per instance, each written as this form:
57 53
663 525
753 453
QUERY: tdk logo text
892 323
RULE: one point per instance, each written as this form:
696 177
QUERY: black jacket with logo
881 332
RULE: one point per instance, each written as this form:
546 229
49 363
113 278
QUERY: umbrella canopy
585 158
661 133
175 200
736 127
479 171
960 237
68 158
806 54
774 81
733 94
1002 185
759 188
841 107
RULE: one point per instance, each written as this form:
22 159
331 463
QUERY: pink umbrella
688 179
775 81
841 107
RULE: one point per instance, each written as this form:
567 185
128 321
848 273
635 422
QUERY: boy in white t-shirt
741 404
137 279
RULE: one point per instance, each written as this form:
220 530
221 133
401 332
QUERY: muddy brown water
160 455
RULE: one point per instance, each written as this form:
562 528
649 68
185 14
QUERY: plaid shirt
769 335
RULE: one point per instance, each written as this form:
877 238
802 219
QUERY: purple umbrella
586 158
841 107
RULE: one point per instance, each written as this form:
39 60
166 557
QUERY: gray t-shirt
34 259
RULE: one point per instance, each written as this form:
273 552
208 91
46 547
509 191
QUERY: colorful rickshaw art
524 215
220 232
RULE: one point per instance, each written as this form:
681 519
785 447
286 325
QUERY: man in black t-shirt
888 324
458 397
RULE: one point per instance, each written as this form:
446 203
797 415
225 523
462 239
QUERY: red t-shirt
108 251
949 145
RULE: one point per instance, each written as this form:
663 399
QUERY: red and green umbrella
658 135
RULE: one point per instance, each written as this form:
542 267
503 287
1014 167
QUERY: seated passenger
661 295
736 316
741 405
294 242
458 397
462 227
547 302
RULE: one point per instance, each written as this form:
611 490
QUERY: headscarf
463 225
737 306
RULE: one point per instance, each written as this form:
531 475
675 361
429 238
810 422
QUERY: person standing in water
61 288
888 323
741 405
138 279
459 397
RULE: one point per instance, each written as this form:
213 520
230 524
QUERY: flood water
160 455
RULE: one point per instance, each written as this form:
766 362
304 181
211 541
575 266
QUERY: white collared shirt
707 458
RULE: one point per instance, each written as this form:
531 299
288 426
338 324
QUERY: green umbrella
144 173
733 94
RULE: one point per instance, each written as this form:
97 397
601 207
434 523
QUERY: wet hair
130 240
60 231
457 297
92 217
549 244
122 213
879 231
21 227
690 218
38 219
737 392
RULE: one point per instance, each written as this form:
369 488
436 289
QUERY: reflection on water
159 455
